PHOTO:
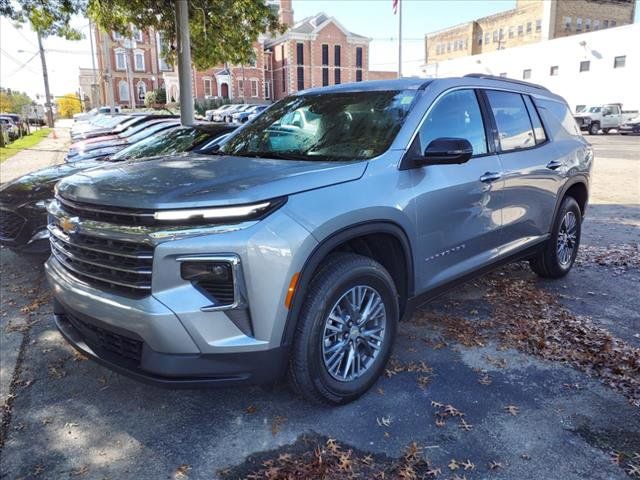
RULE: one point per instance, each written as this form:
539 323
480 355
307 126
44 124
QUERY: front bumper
126 353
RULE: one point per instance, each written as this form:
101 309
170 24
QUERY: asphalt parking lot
507 377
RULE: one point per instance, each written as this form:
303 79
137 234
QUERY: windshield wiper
274 155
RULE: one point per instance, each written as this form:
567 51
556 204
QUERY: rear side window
455 115
512 119
538 131
560 113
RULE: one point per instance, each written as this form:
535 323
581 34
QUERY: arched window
123 91
121 59
138 60
141 89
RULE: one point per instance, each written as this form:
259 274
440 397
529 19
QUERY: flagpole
399 38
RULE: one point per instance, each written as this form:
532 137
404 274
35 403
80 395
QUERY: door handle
490 177
554 164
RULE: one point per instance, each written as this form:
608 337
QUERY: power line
20 64
23 66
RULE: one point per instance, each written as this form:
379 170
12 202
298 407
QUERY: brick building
530 21
312 52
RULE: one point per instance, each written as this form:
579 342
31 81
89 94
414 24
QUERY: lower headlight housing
215 279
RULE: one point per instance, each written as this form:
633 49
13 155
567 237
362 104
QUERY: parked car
120 126
228 115
104 122
216 114
85 116
243 117
602 117
298 250
23 201
8 125
110 144
630 127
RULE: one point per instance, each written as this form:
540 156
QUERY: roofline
484 76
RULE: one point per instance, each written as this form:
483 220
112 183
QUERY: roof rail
505 79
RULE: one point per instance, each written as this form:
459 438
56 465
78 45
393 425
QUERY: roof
412 83
312 25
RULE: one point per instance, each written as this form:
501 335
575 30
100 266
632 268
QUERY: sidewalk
48 152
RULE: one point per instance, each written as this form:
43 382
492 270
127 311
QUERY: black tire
547 263
594 128
308 374
605 131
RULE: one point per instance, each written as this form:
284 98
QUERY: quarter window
455 115
514 127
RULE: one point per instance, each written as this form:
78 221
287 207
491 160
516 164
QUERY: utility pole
106 49
45 76
184 62
94 84
399 38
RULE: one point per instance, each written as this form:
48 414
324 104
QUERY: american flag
395 6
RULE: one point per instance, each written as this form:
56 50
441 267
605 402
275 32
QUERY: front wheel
606 131
345 331
594 128
559 253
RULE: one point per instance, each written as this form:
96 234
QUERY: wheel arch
335 241
576 187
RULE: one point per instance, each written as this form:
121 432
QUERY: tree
51 17
68 104
12 101
220 30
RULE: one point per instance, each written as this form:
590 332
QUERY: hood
202 180
582 114
39 185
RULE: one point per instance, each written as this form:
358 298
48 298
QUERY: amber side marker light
292 289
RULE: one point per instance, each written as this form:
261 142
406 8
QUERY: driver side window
455 115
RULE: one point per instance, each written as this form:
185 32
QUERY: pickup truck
603 117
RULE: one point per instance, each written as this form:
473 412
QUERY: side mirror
446 151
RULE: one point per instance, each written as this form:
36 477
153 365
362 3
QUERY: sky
20 68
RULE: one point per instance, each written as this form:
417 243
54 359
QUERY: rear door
458 206
533 169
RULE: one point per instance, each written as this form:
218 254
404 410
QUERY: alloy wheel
353 333
567 237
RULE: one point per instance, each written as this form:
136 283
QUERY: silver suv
317 227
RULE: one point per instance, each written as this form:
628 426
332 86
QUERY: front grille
124 267
10 224
122 346
117 215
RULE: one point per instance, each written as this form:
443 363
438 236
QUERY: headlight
253 211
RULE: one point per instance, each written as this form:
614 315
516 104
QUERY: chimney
286 13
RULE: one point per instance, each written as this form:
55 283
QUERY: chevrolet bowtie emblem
68 225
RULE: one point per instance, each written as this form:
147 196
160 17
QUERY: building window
358 57
359 75
613 23
267 90
137 34
567 23
526 74
584 66
511 32
495 36
116 36
596 24
336 76
503 74
553 71
162 63
121 59
325 76
605 24
123 91
587 24
480 39
538 25
528 28
241 88
578 24
254 87
300 72
487 38
325 54
520 30
207 87
138 60
448 47
336 55
299 54
619 62
141 89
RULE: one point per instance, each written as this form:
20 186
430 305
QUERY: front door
533 170
458 206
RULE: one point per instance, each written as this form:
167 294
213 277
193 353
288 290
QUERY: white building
586 69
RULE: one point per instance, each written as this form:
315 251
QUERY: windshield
325 127
163 143
149 130
594 109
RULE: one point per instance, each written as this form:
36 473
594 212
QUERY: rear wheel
345 331
558 255
594 128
